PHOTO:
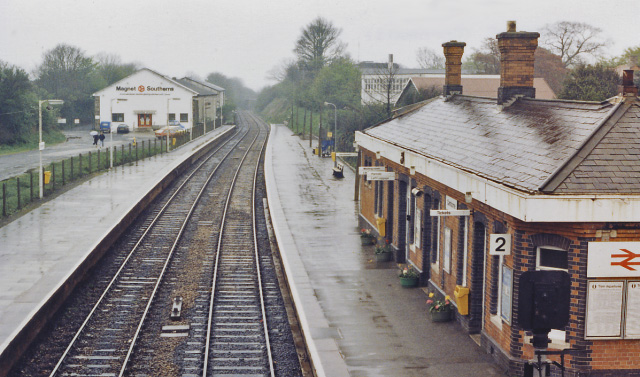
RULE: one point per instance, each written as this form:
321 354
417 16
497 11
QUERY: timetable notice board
613 310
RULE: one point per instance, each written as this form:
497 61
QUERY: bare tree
429 59
319 44
486 60
573 41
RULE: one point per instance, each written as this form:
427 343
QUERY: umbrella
93 133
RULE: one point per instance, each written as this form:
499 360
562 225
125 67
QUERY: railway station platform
358 320
43 249
356 317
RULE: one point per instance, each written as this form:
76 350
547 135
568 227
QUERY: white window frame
446 265
558 337
417 226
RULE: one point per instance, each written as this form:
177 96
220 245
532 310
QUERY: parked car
171 130
123 129
105 127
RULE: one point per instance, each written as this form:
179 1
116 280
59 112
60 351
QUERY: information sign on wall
363 170
604 309
632 310
506 293
613 259
499 244
381 176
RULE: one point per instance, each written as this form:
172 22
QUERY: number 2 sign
499 244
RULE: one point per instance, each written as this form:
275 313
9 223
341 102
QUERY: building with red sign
147 99
486 189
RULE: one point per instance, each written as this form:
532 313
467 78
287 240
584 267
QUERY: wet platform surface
361 321
39 250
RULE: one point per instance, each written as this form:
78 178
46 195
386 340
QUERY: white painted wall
145 92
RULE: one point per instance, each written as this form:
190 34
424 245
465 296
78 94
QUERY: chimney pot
516 63
628 88
453 51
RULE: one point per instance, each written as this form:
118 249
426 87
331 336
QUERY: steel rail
217 260
135 247
255 248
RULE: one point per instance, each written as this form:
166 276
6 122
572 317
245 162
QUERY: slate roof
202 88
532 145
478 85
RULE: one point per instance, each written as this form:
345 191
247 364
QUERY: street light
167 133
111 147
51 102
335 132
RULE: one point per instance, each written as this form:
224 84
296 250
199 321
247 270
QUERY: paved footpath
361 321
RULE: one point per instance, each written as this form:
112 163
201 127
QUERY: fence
18 192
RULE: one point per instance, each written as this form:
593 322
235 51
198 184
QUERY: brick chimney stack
453 67
516 63
628 88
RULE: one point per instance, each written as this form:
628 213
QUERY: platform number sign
499 244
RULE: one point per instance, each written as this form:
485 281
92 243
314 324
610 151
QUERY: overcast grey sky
247 38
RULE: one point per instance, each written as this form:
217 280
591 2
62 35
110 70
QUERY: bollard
71 175
63 180
30 187
90 162
79 166
4 198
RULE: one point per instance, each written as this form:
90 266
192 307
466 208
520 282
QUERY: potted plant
366 238
383 252
440 309
409 277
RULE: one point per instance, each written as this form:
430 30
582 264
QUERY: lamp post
168 129
111 147
335 131
41 143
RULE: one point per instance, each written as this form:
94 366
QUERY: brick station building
558 179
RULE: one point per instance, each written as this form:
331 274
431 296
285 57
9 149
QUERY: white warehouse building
147 99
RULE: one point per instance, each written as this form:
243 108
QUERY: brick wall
506 341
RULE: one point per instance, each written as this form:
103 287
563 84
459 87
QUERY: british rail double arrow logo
626 263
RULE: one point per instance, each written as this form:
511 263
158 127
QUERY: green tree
338 83
68 74
590 83
550 67
318 45
485 60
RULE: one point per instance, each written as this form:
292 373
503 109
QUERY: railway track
188 299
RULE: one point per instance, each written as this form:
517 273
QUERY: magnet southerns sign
613 259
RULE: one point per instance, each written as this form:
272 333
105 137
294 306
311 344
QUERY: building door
402 222
144 120
409 225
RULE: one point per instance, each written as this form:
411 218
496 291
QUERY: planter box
366 241
409 282
383 257
443 316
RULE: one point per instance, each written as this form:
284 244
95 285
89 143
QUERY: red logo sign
141 88
626 263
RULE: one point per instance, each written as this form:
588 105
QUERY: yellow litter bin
333 156
173 141
462 299
47 177
380 222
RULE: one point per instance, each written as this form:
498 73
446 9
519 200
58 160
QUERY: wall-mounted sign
604 309
506 293
450 203
499 244
363 170
381 176
632 311
613 259
446 212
